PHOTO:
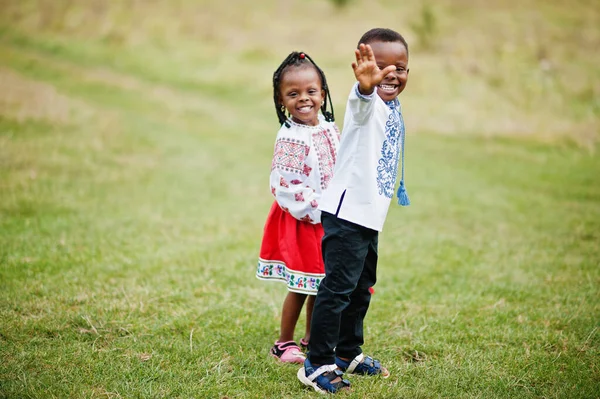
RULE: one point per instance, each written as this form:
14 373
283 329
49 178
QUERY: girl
305 153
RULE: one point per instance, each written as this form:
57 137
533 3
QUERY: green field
135 149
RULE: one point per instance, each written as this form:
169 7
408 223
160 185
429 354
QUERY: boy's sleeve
289 174
361 106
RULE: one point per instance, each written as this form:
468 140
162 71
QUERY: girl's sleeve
290 182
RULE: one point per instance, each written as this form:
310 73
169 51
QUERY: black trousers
350 257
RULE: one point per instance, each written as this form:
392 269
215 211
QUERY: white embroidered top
367 167
302 167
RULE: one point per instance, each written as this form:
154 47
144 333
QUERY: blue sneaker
322 378
362 365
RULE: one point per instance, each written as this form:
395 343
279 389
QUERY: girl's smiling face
391 53
301 93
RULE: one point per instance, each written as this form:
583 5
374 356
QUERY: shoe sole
298 361
303 379
371 375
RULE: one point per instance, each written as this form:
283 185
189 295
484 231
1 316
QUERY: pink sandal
303 345
287 352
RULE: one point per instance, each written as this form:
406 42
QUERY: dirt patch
25 99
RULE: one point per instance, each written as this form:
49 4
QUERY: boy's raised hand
366 70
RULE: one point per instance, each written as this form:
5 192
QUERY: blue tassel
402 195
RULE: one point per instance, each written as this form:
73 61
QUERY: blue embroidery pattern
387 167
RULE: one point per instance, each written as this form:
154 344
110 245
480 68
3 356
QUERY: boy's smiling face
391 53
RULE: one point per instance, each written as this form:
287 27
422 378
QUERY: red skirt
291 252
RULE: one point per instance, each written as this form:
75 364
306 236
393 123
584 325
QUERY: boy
354 208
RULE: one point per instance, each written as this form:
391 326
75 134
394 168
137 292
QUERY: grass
133 162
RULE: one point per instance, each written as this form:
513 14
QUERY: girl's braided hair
298 59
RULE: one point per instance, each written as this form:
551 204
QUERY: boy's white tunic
367 165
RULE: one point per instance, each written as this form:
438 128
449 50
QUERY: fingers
364 53
369 53
388 69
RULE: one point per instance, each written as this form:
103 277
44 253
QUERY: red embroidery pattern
323 142
289 155
299 197
337 131
307 170
272 190
283 183
296 181
314 203
306 219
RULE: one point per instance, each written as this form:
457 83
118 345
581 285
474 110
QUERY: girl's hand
366 70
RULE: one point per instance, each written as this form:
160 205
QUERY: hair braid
297 59
329 117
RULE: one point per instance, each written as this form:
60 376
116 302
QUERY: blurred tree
425 27
340 3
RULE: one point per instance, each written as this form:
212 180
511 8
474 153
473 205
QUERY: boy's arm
366 71
368 76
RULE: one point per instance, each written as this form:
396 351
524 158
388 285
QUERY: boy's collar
393 104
